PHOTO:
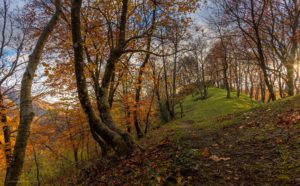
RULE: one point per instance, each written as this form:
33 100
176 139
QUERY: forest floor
218 141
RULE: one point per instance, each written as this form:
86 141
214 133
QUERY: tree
26 112
248 16
141 71
11 47
107 134
283 32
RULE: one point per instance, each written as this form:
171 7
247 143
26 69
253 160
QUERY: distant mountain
40 107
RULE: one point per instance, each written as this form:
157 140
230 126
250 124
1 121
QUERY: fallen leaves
289 119
217 158
207 154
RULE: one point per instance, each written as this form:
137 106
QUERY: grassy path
219 141
220 146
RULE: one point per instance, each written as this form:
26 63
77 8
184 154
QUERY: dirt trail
258 147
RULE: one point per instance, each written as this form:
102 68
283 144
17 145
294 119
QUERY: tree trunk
174 77
203 82
140 75
128 123
263 65
169 114
225 78
290 79
109 135
26 113
237 79
147 123
280 86
112 89
263 92
36 165
159 101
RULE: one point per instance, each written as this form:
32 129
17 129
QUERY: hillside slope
219 141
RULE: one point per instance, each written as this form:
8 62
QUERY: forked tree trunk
26 112
106 131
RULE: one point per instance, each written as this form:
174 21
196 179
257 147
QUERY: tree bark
107 131
26 112
140 75
174 73
290 79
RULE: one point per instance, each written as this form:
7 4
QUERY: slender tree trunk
246 81
26 112
159 101
204 81
128 120
296 81
140 75
174 77
167 103
263 92
237 79
225 78
37 166
251 93
290 79
148 113
263 65
280 86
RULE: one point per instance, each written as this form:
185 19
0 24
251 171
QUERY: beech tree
11 47
105 132
26 112
283 33
248 16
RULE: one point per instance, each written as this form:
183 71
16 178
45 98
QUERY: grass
240 126
204 112
218 141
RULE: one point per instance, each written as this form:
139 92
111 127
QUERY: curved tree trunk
106 130
26 113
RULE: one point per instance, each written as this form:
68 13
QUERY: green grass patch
203 113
